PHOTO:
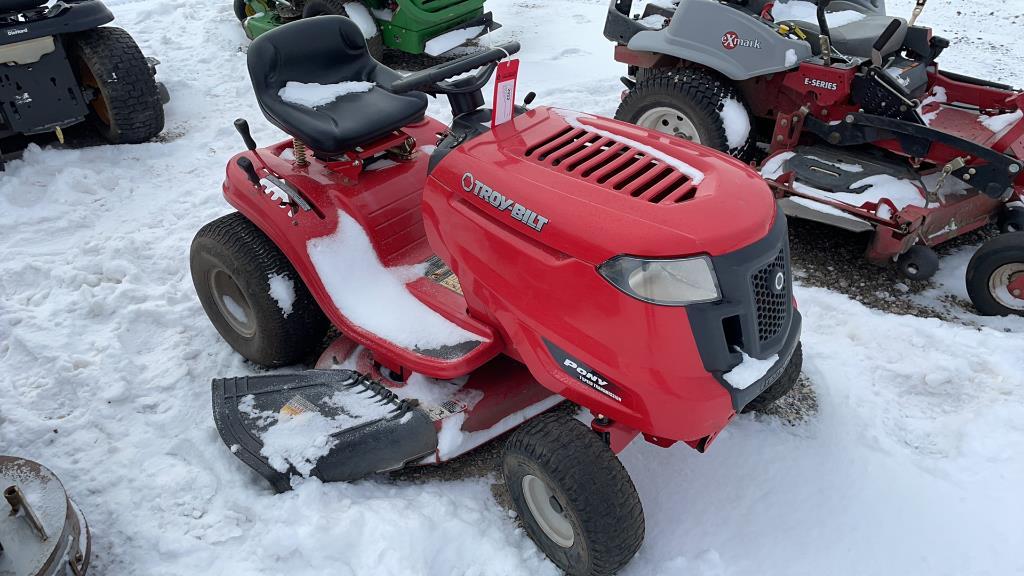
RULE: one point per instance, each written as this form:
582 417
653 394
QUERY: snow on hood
573 118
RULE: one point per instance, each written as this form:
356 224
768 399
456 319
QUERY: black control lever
879 45
250 171
243 128
529 98
824 36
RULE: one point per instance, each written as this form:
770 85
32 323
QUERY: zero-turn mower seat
857 38
328 50
20 5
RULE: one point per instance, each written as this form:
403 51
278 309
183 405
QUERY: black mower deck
369 428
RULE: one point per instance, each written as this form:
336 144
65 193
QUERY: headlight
668 282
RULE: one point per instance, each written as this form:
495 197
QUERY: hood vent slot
613 165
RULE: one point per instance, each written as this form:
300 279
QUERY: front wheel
693 104
574 497
995 276
252 294
126 106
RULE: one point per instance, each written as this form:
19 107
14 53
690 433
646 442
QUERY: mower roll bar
432 79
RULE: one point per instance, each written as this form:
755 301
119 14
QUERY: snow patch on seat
313 95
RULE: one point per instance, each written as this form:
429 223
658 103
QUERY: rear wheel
694 104
574 497
782 386
995 276
126 107
355 11
252 294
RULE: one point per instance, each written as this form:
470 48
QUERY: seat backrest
19 5
323 50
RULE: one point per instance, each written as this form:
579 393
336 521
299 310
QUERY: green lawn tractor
430 27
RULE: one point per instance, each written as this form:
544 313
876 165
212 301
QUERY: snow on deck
912 465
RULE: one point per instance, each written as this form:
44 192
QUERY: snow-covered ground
913 465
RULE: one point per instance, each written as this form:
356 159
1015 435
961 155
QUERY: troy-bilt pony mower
481 275
432 27
59 66
863 131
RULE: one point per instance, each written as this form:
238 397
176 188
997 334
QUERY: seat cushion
349 121
857 38
328 50
20 5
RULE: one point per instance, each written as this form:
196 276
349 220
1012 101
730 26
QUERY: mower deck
338 424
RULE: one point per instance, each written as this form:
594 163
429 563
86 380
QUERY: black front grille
772 305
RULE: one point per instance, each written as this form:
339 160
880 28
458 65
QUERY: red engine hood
594 188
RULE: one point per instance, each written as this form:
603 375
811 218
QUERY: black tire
126 106
587 483
241 10
695 94
1003 250
918 263
1011 219
231 249
782 386
374 45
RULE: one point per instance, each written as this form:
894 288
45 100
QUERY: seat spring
299 150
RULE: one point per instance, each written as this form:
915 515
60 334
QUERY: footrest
335 425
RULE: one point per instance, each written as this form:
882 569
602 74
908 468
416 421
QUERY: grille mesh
612 165
772 307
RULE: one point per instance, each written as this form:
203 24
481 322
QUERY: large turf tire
782 386
235 247
126 107
593 490
375 44
695 95
1004 252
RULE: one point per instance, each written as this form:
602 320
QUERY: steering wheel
434 80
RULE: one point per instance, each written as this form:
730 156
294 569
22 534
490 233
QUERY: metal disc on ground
42 532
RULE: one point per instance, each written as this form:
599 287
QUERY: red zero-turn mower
862 128
480 276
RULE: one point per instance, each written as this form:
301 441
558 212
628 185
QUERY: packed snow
282 290
776 165
791 57
654 21
803 11
374 297
1001 122
312 95
750 370
358 13
573 119
912 464
453 38
737 122
937 97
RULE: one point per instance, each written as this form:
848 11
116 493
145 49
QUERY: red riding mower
480 276
862 129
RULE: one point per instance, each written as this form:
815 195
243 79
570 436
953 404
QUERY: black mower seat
328 50
20 5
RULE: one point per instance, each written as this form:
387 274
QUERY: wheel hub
1006 285
547 511
669 121
232 303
